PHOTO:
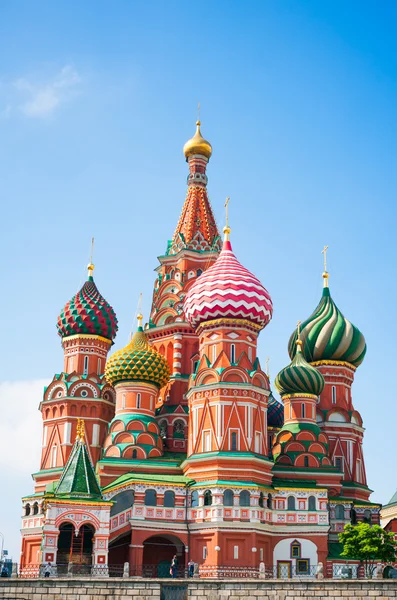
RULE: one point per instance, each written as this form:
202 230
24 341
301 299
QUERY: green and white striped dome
299 377
328 335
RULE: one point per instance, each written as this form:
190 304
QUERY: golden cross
227 211
267 366
299 329
324 251
92 250
198 112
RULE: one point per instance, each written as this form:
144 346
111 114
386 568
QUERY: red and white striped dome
228 290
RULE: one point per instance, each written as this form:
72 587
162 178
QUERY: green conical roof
78 480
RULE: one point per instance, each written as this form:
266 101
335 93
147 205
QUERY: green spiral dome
328 335
299 378
138 361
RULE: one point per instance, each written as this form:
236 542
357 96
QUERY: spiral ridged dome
197 145
138 361
299 377
88 313
228 290
275 412
328 335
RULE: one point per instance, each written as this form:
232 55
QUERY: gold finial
80 430
139 315
325 274
90 266
227 229
267 367
298 339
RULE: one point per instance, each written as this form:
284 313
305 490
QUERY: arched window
35 508
233 437
305 461
312 503
207 498
134 453
303 411
232 353
194 499
245 498
367 516
295 549
27 510
269 501
85 372
228 498
122 501
138 400
261 500
339 512
353 517
199 272
333 393
163 428
291 503
150 498
179 429
169 499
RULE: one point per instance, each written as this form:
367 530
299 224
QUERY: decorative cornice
297 396
335 363
84 336
233 323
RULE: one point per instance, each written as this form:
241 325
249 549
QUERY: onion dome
328 335
138 361
197 145
228 290
275 412
299 377
88 313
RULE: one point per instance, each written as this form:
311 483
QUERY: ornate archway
158 551
75 546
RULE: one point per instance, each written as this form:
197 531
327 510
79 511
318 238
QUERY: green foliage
368 544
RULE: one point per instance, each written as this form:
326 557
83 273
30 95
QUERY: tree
369 545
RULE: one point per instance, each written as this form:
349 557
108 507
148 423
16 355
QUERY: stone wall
155 589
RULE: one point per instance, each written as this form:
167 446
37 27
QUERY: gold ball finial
226 231
139 317
90 268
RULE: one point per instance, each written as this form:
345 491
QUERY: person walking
190 566
174 566
47 570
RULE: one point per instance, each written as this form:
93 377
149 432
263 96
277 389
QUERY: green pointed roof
78 480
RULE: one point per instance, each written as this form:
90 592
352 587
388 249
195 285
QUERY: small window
207 498
291 503
228 498
199 272
269 501
179 429
86 359
339 463
123 401
261 500
194 499
303 411
54 457
169 499
249 353
353 517
233 437
213 353
84 394
235 552
261 554
303 566
295 549
138 401
305 461
333 393
35 508
245 498
27 510
205 552
99 366
232 353
134 453
206 441
312 503
339 512
150 498
195 365
163 428
367 516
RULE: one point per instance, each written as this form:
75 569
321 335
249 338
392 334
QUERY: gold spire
80 431
227 229
298 339
197 144
139 315
267 367
90 265
325 274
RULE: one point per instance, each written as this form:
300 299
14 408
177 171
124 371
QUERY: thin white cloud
20 449
40 99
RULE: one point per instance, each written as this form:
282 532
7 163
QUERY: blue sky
298 99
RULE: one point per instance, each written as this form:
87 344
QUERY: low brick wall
156 589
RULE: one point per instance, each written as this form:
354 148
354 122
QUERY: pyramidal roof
78 480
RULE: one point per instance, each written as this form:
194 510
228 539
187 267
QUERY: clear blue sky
96 101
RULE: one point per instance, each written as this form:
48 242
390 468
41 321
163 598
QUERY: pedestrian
47 570
190 566
4 572
174 566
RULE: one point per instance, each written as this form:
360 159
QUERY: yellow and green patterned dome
138 361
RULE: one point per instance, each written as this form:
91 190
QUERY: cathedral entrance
74 546
158 552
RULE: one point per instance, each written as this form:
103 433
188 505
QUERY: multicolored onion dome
197 145
138 361
88 313
299 377
228 290
275 412
328 335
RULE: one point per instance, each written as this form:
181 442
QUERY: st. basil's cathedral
175 444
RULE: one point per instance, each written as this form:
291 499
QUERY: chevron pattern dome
88 313
328 335
138 361
299 378
228 290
